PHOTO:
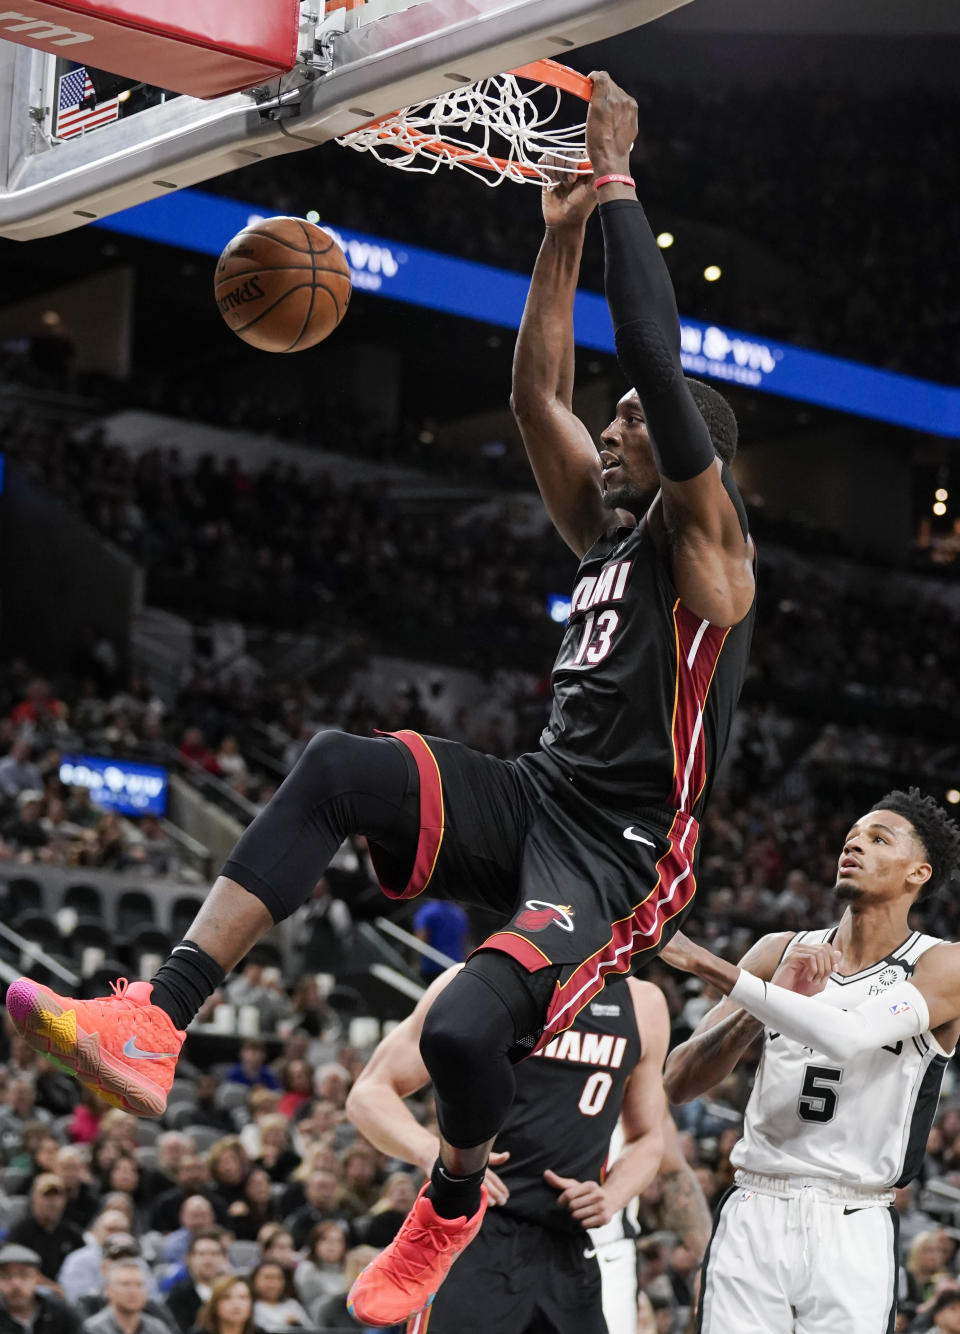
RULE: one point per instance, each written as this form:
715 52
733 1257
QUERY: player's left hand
611 126
497 1191
585 1199
806 968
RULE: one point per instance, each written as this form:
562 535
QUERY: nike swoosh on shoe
130 1048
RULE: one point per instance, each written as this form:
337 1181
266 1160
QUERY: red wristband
614 179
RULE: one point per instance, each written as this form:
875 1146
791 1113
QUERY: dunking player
532 1265
858 1022
645 686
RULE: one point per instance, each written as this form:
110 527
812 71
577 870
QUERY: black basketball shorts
588 888
520 1277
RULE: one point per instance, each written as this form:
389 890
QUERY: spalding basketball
282 284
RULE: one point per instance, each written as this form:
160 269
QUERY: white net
495 129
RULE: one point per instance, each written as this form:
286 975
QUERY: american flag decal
77 106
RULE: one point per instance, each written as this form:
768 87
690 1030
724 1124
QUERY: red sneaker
405 1276
109 1044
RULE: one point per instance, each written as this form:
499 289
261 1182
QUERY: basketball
282 285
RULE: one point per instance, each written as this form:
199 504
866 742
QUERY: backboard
354 63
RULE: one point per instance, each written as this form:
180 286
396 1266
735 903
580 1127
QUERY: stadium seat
86 899
182 913
40 930
231 1097
180 1116
243 1256
181 1090
98 982
89 932
23 894
202 1136
134 908
148 1132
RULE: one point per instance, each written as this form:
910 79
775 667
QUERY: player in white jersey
858 1022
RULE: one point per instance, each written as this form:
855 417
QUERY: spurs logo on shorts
540 915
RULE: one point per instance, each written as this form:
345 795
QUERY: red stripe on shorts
674 888
431 818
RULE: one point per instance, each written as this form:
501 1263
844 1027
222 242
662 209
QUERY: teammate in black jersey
555 1173
645 686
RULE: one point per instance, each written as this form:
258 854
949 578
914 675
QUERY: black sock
188 978
454 1197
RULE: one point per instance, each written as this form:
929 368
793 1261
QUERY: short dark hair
933 827
718 414
949 1297
207 1234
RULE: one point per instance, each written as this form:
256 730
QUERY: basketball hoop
495 129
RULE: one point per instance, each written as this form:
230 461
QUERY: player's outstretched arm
563 457
712 555
724 1033
931 1000
375 1104
593 1204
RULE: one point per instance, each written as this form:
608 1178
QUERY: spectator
87 1117
206 1262
275 1154
320 1274
80 809
172 1147
276 1243
257 1208
229 760
41 710
382 1223
275 1307
945 1312
20 1111
24 1308
228 1165
207 1111
193 1182
296 1080
926 1264
73 1168
122 1246
25 829
360 1190
18 772
332 1313
443 926
259 987
196 1213
229 1308
321 1190
196 752
125 1288
80 1272
325 923
44 1229
252 1069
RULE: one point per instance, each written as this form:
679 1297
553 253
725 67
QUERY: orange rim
550 72
557 76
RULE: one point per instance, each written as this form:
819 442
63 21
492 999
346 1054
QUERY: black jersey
644 691
567 1106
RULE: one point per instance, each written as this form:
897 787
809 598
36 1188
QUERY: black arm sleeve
647 329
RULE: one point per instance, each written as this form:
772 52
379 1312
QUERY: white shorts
618 1276
797 1256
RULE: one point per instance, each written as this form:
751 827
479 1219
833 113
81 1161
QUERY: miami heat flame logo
540 915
